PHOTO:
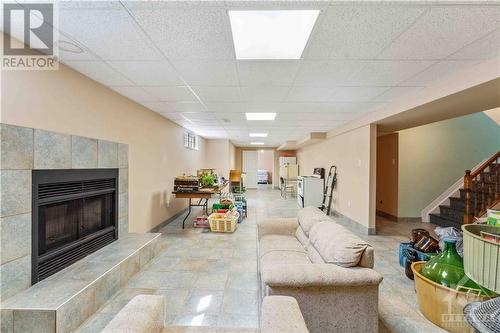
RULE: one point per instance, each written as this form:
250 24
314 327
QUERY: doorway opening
387 176
258 165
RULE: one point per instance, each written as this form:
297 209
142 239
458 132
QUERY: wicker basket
223 223
442 305
482 257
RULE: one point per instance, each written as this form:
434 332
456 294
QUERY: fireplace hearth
75 213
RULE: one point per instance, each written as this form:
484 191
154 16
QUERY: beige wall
218 156
68 102
232 156
353 153
387 174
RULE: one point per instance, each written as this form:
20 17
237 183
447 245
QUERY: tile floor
211 279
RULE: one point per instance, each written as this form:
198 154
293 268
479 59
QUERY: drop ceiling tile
388 73
79 4
442 31
365 108
160 107
133 4
148 73
396 93
288 116
438 71
171 93
267 72
186 107
483 48
110 33
353 94
230 116
168 107
90 24
218 94
262 107
359 31
199 115
225 107
100 72
263 93
188 33
327 73
309 94
207 73
135 93
127 50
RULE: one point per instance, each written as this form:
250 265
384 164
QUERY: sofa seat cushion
308 217
270 243
283 257
336 244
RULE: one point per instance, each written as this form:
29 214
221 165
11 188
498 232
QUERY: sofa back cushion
308 217
336 245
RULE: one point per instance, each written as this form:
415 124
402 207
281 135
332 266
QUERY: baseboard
398 219
386 215
351 224
170 219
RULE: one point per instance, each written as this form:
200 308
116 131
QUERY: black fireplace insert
75 213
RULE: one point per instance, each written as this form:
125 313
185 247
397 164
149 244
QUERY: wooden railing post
469 213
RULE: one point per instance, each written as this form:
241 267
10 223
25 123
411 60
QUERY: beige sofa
146 313
325 267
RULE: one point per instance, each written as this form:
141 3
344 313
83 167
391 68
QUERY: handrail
485 165
482 189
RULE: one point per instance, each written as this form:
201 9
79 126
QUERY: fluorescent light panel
271 34
260 116
257 143
258 135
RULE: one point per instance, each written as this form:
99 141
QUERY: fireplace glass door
68 221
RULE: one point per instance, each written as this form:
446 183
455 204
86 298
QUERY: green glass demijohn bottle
447 268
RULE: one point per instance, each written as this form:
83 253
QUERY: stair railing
482 188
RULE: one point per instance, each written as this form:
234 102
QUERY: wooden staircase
481 191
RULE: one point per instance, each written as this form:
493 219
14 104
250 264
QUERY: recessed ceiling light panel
258 135
271 34
257 143
260 115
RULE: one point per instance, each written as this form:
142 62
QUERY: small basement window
190 140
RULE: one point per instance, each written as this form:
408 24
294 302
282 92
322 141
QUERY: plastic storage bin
222 222
482 257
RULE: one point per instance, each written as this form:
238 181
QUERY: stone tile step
60 303
444 222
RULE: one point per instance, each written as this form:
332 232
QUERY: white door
250 160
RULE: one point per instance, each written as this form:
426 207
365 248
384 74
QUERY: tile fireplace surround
24 149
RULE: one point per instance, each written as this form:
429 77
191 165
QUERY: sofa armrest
277 226
143 314
282 314
319 275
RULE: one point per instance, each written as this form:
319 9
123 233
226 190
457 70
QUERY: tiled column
15 209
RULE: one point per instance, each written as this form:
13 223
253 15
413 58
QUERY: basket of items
224 222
